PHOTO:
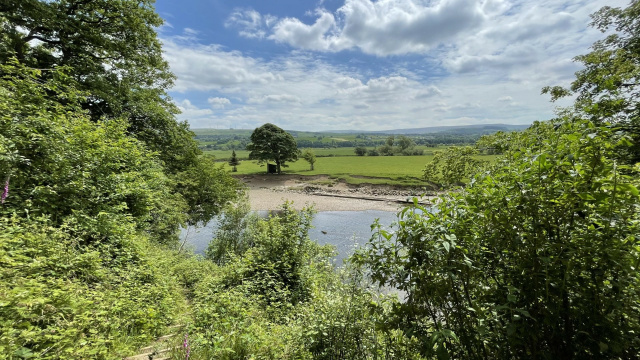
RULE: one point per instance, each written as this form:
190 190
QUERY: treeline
238 142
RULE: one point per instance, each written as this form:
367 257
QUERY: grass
320 152
391 170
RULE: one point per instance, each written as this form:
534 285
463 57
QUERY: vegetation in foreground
536 258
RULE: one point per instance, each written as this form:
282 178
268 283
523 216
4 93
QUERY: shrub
535 260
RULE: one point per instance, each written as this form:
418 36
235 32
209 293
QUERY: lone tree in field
234 161
309 156
271 143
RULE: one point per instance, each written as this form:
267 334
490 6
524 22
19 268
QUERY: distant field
393 170
341 151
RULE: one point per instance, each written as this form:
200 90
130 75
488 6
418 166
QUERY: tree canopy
271 143
113 57
608 86
112 49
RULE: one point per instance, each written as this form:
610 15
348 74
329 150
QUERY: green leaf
629 188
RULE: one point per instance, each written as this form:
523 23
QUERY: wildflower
5 193
186 346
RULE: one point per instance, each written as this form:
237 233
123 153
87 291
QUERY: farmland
336 155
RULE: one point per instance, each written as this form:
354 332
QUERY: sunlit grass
392 170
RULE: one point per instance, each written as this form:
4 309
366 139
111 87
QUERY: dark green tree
271 143
112 53
360 150
233 161
452 166
390 141
63 165
112 49
405 143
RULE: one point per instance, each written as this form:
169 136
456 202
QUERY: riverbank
268 192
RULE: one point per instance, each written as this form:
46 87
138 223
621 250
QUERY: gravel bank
268 192
267 199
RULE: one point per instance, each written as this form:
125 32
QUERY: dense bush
537 259
62 298
452 166
281 298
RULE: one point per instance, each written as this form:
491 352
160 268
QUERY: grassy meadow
224 155
340 163
392 170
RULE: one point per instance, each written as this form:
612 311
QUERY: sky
372 65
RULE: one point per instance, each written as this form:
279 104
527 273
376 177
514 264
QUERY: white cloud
251 23
190 111
301 91
468 60
218 102
383 27
208 67
281 98
429 92
313 37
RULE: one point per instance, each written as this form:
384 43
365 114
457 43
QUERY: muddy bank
267 192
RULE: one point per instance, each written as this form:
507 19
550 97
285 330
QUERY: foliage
62 299
113 53
81 173
536 260
309 156
386 150
233 236
271 143
607 87
343 322
360 150
404 145
275 266
233 161
453 165
279 297
207 189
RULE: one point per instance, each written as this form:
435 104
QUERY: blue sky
371 65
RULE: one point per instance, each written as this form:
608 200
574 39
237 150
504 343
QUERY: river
343 229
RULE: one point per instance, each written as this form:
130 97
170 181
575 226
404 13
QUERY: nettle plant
537 259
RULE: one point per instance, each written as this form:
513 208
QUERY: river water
343 229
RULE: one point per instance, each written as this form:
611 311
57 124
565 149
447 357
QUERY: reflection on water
343 229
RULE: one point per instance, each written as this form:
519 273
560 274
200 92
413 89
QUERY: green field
341 151
391 170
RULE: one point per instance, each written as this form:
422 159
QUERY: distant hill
460 129
440 130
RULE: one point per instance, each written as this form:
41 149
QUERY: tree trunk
278 165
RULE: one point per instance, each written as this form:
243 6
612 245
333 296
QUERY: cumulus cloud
190 111
467 61
383 27
429 92
280 98
218 102
209 67
251 24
